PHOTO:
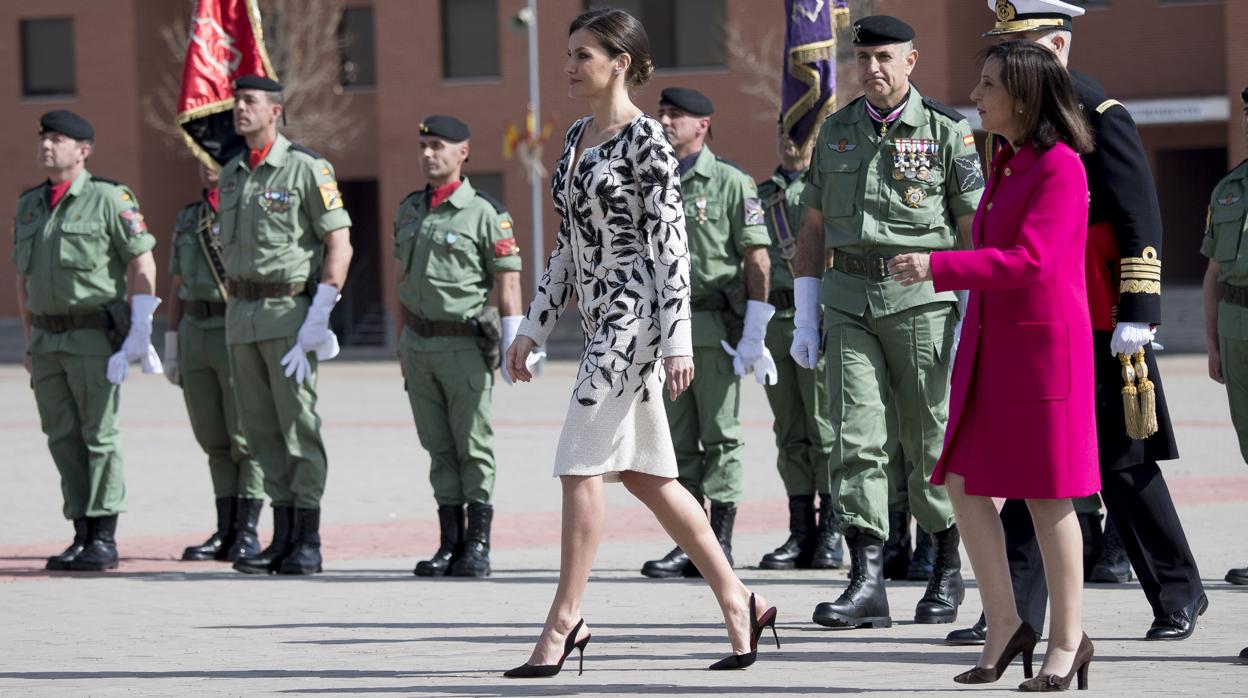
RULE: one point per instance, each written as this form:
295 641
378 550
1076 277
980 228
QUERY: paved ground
162 627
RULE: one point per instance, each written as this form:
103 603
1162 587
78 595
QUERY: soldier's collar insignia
1229 200
842 146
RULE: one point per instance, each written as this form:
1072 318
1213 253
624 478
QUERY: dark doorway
360 317
1185 180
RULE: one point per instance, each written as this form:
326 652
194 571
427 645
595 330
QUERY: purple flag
809 90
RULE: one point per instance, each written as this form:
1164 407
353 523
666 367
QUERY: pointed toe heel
542 671
757 625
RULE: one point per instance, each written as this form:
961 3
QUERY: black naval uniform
1135 493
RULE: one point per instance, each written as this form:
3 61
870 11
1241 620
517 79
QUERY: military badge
125 196
914 197
133 220
968 139
970 174
330 196
504 224
274 201
700 205
229 188
407 218
754 212
1229 200
506 247
1006 11
29 217
842 146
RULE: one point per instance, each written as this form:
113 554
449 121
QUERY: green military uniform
1225 243
74 257
204 360
798 400
272 222
723 217
448 258
879 198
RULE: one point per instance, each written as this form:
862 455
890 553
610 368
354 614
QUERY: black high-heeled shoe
741 661
542 671
1053 682
1022 642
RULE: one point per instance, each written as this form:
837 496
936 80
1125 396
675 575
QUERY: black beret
1244 95
257 82
445 127
68 123
687 100
881 30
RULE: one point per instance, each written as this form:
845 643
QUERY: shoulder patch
944 110
300 148
1108 104
498 205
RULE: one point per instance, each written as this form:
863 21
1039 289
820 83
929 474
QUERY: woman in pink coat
1022 422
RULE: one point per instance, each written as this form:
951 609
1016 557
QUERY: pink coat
1022 421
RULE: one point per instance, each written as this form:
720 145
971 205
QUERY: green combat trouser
800 407
902 359
1235 372
705 422
898 490
78 412
280 421
208 392
450 396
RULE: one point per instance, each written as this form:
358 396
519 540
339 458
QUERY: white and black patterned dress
622 251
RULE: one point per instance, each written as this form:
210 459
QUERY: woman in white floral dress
622 251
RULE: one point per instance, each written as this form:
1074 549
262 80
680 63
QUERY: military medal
700 204
451 237
925 175
914 197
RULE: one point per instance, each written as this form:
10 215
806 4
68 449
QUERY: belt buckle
882 263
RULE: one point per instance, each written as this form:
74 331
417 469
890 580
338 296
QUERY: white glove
314 336
764 367
1130 337
751 354
172 371
511 326
805 349
138 343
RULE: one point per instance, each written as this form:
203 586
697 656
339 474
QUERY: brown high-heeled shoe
1023 641
1053 682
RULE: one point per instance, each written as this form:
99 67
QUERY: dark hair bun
619 32
639 72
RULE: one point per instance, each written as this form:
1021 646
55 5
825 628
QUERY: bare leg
685 521
581 532
985 545
1061 548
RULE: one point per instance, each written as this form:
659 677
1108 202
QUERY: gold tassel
1130 397
1148 398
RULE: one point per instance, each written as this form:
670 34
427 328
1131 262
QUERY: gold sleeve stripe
1107 104
1137 286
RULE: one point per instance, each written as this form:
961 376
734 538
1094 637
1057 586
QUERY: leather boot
268 560
246 538
451 523
800 546
221 539
101 551
474 560
723 516
1113 567
828 554
944 589
672 564
864 603
1093 541
1236 575
305 556
897 547
924 557
81 537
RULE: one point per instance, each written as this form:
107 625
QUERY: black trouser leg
1031 594
1139 503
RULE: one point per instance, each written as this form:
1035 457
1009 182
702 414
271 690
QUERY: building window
470 38
358 52
47 57
685 34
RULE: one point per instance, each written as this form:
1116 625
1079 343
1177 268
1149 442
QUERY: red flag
226 42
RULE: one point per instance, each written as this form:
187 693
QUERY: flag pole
535 176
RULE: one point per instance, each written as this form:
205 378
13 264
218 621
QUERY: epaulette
944 110
853 104
299 148
498 205
734 166
95 178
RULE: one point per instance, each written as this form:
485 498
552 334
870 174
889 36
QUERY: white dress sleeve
662 223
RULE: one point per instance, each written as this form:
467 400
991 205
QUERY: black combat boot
246 538
723 516
897 547
451 523
474 560
828 555
672 564
1113 567
864 603
268 560
924 556
944 589
973 635
1093 541
101 551
221 540
800 546
81 537
305 556
1235 575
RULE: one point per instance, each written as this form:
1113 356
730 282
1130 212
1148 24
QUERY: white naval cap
1014 16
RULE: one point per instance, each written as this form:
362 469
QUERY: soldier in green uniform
285 236
80 244
728 243
197 360
892 172
798 400
1226 299
454 245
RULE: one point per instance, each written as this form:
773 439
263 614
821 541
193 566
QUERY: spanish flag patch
968 139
